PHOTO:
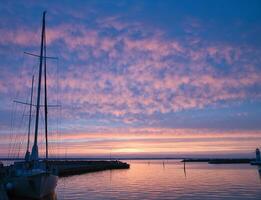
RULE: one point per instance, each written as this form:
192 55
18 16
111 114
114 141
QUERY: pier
74 167
65 168
68 168
220 160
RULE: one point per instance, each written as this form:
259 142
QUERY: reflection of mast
259 172
185 169
110 175
27 155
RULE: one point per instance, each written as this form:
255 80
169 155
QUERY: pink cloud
124 141
188 80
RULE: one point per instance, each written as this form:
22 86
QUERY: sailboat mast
45 100
35 146
30 116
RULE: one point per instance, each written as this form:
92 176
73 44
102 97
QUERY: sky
135 78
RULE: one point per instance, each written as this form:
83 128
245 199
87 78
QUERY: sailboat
34 178
27 154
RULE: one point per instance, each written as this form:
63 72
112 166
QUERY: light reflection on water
164 180
168 180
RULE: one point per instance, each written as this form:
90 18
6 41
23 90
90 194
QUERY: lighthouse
258 155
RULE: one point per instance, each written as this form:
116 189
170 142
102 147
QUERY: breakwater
68 168
72 167
220 160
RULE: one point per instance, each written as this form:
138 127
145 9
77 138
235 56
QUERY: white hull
33 186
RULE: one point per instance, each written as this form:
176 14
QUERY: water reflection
259 172
155 180
184 168
164 180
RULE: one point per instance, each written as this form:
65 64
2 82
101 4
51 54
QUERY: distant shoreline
116 158
186 159
222 160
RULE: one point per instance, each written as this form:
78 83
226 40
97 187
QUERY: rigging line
23 115
35 55
11 130
17 134
16 145
42 120
30 116
42 138
20 137
13 137
59 130
19 148
24 136
29 104
57 97
21 133
40 130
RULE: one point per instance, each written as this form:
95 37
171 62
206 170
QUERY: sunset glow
152 79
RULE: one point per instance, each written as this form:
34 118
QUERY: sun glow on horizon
169 142
135 79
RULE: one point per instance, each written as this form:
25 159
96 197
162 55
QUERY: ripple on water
168 181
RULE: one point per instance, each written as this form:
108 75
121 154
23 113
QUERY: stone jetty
220 160
67 168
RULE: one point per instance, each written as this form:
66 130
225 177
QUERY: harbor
68 168
35 177
130 100
220 160
73 167
63 168
160 181
252 161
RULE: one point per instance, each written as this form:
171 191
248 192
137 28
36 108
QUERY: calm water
155 180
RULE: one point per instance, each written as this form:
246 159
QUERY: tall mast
45 100
27 155
35 156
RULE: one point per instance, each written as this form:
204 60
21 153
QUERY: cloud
123 74
145 141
